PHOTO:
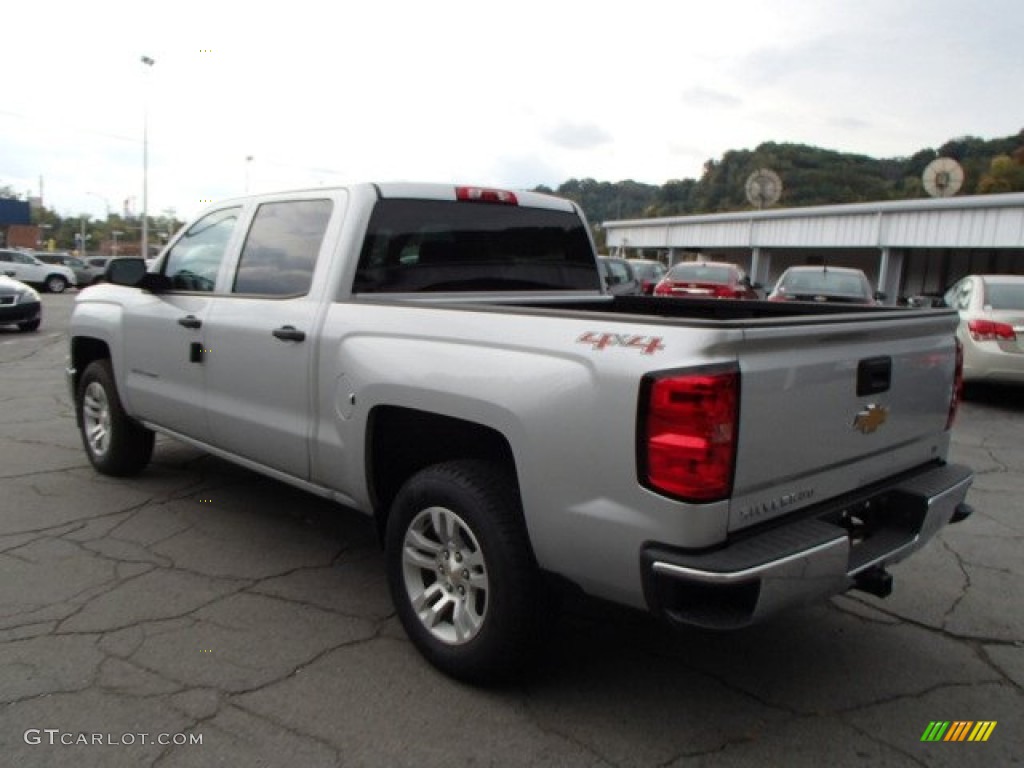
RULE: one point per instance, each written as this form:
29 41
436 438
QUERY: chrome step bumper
833 547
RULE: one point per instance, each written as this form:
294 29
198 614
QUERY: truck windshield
438 245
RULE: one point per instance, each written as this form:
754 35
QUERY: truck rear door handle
190 321
289 333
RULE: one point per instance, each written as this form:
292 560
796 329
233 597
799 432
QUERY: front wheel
29 325
115 443
56 284
461 571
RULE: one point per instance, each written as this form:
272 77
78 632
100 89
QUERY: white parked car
991 325
56 278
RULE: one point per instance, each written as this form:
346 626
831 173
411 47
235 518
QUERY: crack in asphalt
51 341
947 616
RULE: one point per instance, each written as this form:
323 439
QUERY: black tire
31 325
501 627
56 284
115 443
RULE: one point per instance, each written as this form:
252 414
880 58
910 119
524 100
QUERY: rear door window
281 248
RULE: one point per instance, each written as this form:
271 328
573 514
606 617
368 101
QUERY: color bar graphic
959 730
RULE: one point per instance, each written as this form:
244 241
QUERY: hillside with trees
810 176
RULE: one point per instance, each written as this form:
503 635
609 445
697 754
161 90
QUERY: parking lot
201 602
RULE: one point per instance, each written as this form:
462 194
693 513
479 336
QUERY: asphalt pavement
201 615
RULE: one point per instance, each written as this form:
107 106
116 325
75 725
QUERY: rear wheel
115 443
56 284
461 572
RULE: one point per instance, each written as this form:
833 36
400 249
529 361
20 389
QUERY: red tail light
986 330
688 429
663 289
484 195
958 385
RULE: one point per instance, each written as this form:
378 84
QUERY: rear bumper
993 361
828 550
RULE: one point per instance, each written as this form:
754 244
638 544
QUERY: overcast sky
510 94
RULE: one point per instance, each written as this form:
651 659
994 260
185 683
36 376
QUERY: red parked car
706 280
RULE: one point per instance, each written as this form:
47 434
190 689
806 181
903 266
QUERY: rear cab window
451 246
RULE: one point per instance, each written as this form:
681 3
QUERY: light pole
82 237
144 245
248 160
115 233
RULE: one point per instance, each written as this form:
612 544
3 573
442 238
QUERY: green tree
1005 174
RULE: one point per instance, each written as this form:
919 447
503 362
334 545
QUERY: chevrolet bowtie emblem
871 418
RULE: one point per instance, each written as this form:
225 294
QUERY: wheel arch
85 350
401 441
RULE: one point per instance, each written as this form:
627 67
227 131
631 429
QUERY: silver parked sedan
991 324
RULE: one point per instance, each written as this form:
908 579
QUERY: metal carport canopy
978 221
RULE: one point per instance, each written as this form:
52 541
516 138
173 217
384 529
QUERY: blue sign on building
14 212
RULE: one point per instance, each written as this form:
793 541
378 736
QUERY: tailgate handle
874 375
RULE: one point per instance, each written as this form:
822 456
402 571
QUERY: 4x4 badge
871 418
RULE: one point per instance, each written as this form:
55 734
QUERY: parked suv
648 272
28 269
82 274
618 276
97 266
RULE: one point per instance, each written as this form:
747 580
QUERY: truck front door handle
190 321
289 333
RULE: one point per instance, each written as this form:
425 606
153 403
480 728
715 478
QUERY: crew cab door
259 338
164 380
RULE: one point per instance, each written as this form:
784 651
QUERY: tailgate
828 407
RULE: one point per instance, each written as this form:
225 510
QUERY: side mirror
127 271
132 272
880 295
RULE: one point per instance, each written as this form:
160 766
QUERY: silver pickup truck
446 360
